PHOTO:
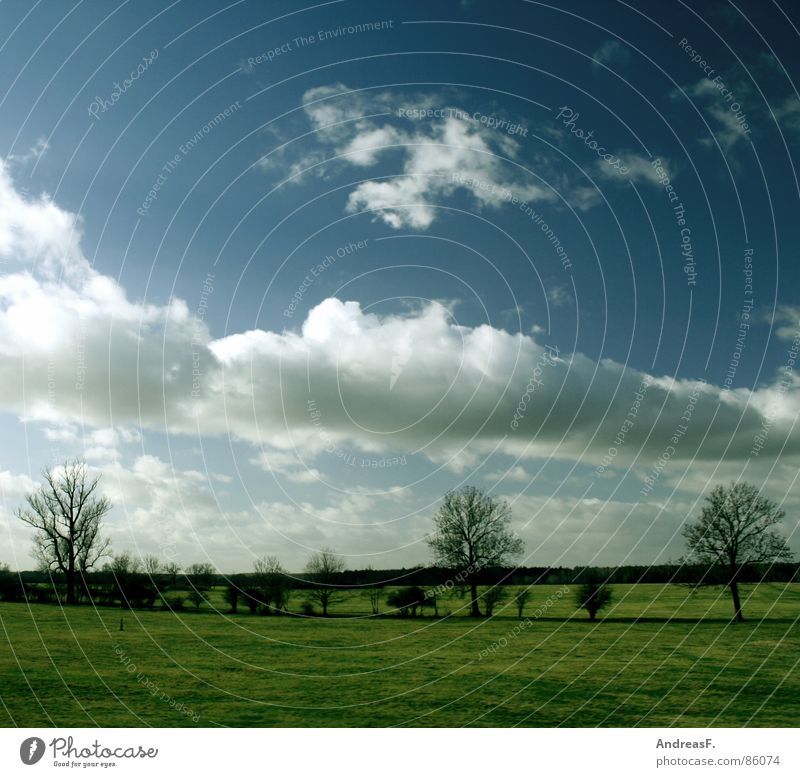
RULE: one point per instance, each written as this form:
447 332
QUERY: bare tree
324 569
124 564
473 532
734 530
67 512
375 592
152 565
521 600
133 588
271 579
375 596
173 569
201 574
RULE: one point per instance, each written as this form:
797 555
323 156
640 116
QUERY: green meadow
660 656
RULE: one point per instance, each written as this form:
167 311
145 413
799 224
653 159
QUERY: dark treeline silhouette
736 539
246 591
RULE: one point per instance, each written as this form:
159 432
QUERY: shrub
408 600
253 598
492 596
592 595
231 596
196 598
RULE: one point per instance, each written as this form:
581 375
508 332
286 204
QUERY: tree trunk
71 580
475 612
737 604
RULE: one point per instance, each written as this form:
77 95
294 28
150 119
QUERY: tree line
735 539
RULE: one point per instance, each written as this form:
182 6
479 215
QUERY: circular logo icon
31 750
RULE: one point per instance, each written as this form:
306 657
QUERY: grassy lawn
661 656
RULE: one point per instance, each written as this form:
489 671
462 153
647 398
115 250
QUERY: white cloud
333 387
436 150
13 485
36 151
434 153
787 112
787 321
610 52
559 296
729 130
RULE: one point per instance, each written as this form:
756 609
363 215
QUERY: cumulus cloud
719 98
433 143
434 154
440 149
76 351
786 319
74 348
467 391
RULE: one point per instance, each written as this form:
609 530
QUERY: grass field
661 656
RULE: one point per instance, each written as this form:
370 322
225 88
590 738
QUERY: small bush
175 603
592 595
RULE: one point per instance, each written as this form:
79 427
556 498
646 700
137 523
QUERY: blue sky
285 274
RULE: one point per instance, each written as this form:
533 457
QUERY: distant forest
688 574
